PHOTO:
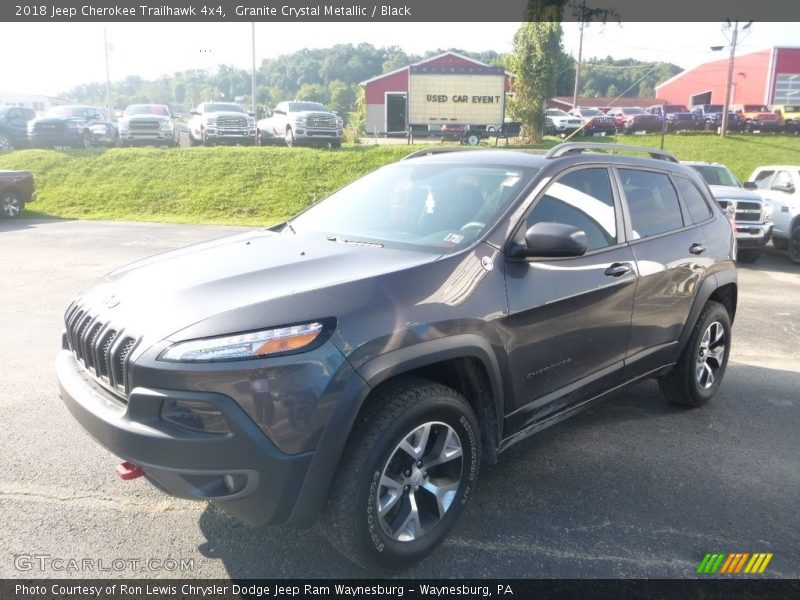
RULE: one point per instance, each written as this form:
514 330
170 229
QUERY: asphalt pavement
633 487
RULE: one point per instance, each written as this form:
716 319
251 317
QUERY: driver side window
582 199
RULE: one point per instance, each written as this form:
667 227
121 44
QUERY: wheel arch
462 362
720 287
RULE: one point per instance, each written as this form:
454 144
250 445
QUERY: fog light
195 415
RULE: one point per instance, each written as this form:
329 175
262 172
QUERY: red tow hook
127 471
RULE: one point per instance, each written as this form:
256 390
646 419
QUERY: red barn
387 94
770 76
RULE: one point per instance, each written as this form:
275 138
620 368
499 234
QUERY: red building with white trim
770 76
387 94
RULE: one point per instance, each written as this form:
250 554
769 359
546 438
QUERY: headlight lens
246 345
299 121
73 125
166 125
211 120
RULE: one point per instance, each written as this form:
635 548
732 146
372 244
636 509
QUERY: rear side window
583 199
652 202
694 200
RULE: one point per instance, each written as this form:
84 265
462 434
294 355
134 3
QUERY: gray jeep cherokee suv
360 361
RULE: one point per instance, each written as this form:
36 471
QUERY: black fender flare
707 288
331 444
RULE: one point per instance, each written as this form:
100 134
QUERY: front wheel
749 255
408 470
794 245
5 143
701 366
289 137
10 204
473 139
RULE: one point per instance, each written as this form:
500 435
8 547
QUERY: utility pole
724 125
253 77
108 78
580 56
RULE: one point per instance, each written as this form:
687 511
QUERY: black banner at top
393 10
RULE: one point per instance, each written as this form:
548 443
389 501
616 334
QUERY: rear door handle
697 249
619 269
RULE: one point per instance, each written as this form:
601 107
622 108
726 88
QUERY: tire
794 245
701 366
336 144
5 143
708 126
87 139
204 138
473 140
748 255
193 141
748 127
780 243
11 204
289 137
383 447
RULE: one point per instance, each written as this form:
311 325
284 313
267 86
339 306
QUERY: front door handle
697 249
619 269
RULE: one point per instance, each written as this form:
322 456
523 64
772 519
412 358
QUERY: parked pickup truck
751 213
711 114
781 186
14 126
301 123
758 117
215 122
790 116
75 126
676 117
16 190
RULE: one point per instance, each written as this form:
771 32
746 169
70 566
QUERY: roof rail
579 147
432 151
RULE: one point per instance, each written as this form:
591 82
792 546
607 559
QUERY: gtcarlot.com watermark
42 563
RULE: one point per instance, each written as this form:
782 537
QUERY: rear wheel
10 204
701 366
749 255
409 467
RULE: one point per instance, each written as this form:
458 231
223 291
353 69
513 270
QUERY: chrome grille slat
231 122
145 125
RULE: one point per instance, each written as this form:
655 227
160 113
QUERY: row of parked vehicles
210 123
672 117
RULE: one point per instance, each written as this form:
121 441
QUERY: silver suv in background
781 186
296 123
752 214
214 122
147 123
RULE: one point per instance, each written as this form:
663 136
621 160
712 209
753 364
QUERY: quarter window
697 205
652 202
582 199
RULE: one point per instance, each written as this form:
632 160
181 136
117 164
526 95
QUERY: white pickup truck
780 185
301 123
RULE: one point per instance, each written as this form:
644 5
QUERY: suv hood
734 193
164 294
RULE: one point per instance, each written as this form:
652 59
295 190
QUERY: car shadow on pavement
773 260
594 487
28 221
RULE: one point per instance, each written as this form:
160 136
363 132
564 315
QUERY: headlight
767 210
300 121
251 122
339 121
73 125
246 345
166 125
211 120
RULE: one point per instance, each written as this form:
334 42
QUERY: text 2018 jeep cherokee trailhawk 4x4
360 360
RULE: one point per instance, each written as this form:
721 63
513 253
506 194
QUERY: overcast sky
51 58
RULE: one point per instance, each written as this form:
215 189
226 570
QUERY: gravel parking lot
633 487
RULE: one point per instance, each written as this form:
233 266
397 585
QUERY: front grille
49 128
145 125
321 121
682 117
746 212
231 122
100 348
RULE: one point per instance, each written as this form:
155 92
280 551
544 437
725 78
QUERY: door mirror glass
552 240
750 185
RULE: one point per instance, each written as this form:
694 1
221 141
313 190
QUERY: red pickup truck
16 190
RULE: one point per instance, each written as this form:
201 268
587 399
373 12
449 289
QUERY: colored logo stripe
734 563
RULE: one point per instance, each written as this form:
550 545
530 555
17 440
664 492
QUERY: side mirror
786 189
750 185
553 240
251 114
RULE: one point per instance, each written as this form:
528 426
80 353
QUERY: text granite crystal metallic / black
357 363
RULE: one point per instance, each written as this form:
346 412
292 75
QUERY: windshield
713 108
791 109
147 109
633 111
674 108
592 112
755 108
223 107
717 175
436 207
301 106
70 111
554 112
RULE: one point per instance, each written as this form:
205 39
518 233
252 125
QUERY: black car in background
14 126
75 126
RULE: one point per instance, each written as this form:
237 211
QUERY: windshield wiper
289 225
333 238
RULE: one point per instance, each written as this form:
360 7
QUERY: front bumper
69 137
304 134
154 135
242 472
238 134
753 235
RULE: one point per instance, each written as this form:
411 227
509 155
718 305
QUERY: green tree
535 62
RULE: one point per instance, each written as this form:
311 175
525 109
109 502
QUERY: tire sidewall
380 547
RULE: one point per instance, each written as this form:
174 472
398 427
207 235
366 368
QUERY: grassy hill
261 186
